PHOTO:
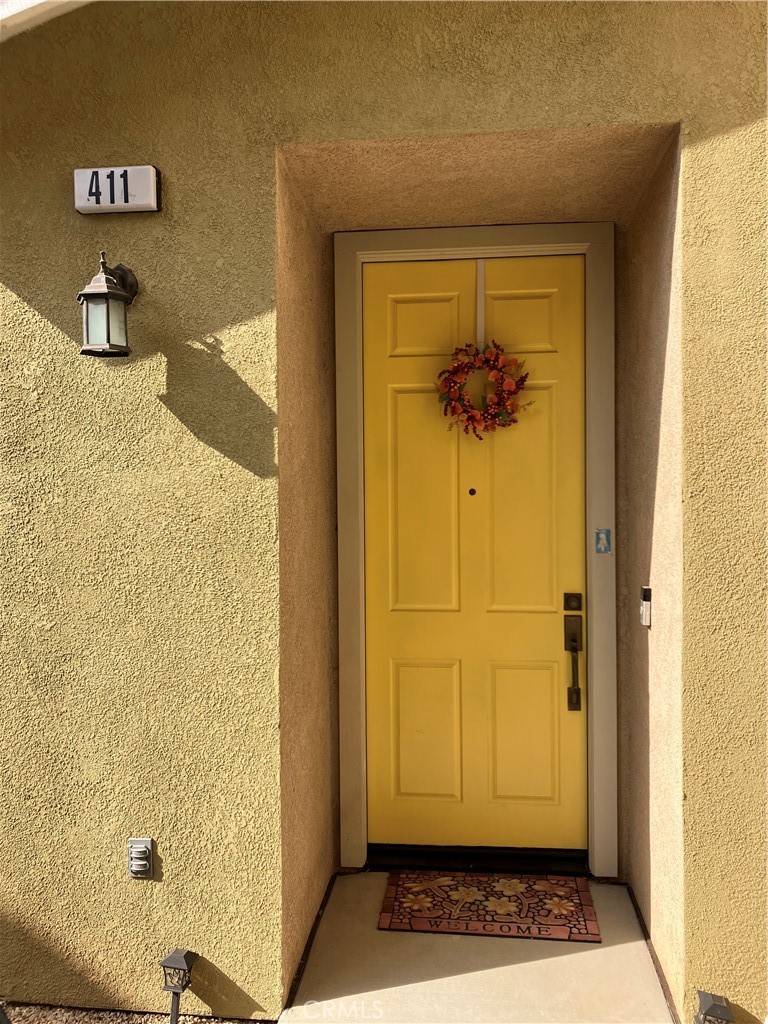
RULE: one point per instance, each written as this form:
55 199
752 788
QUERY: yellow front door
470 547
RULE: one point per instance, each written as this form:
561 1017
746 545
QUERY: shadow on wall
205 394
202 390
648 506
743 1016
210 399
220 993
193 292
27 960
158 869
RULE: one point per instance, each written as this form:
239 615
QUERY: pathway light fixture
177 972
713 1009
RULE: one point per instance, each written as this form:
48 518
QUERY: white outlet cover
145 847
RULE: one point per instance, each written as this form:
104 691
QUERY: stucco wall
309 711
139 596
142 508
650 553
724 540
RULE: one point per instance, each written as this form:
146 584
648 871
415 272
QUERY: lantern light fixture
104 302
713 1009
177 973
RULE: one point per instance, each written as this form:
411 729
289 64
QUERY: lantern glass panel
175 979
118 330
85 323
97 321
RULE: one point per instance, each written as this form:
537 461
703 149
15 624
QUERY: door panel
426 729
524 721
424 564
524 461
469 738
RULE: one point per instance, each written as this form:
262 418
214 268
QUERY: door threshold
517 860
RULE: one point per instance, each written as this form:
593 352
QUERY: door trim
352 250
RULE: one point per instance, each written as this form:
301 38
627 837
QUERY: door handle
574 690
574 644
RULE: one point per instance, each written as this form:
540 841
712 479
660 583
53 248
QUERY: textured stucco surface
650 551
527 177
308 608
141 504
140 649
724 540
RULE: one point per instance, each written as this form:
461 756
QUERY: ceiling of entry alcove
590 173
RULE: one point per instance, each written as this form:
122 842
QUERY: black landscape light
713 1009
177 971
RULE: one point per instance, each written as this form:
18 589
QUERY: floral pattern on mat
512 906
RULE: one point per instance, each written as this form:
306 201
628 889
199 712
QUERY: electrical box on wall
140 858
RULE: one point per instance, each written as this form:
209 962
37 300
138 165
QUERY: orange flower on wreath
497 410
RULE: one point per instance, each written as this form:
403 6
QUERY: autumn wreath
499 409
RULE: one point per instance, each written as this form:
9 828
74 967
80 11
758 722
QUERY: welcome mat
512 906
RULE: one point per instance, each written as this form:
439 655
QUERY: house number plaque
117 189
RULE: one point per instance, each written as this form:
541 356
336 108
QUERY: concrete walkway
357 973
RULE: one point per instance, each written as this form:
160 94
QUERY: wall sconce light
713 1009
177 972
104 302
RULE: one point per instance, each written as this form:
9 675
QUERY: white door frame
352 250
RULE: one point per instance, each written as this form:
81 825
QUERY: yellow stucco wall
724 540
650 551
309 710
140 519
